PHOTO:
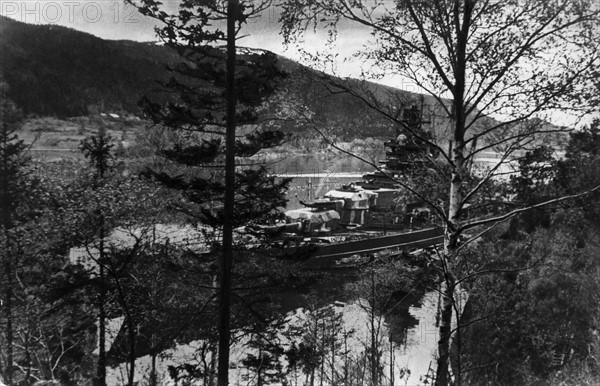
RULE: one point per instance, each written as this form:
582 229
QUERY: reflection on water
341 331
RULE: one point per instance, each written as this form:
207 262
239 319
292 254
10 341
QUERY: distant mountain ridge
57 71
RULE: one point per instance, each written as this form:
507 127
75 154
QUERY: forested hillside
61 72
57 71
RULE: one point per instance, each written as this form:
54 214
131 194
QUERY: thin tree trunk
131 374
26 340
9 318
227 258
322 374
259 381
346 359
458 377
316 330
391 360
154 338
101 370
153 371
131 337
374 348
8 268
213 364
333 336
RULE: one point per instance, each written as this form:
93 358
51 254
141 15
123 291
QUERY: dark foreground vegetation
531 317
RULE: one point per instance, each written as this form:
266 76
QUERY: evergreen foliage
46 321
217 93
12 182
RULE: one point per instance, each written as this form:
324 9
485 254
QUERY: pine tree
12 175
97 149
215 93
130 206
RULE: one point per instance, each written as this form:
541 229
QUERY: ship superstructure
380 200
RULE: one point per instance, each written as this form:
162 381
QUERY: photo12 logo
62 12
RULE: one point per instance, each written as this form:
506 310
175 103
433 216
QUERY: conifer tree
12 174
214 96
97 150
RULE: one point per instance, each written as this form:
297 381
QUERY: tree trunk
131 338
346 359
333 336
154 338
259 381
131 335
101 370
391 360
442 373
131 374
8 268
322 374
455 197
448 262
374 336
9 317
153 371
27 348
213 363
101 366
227 258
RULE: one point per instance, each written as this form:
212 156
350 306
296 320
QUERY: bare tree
521 62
